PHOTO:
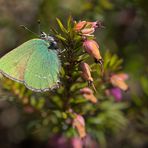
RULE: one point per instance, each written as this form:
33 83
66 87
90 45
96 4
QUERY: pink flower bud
79 124
92 48
86 71
87 31
116 93
88 94
117 80
80 25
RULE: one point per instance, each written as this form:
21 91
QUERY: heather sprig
78 45
91 85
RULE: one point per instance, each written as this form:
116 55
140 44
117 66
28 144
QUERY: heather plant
88 103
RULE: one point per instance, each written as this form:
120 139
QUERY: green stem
68 69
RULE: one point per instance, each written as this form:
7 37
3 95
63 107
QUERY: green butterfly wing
33 64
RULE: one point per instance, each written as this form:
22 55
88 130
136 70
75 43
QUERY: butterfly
35 63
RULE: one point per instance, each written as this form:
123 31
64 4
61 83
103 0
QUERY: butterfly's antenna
28 30
39 27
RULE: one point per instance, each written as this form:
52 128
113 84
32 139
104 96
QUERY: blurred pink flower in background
116 93
59 141
118 80
76 142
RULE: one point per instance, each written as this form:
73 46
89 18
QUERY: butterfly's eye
54 44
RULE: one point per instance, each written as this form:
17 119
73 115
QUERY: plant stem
68 73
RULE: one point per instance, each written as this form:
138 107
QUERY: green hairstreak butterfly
35 63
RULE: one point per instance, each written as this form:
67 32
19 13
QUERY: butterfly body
35 63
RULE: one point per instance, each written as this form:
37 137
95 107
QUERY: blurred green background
125 33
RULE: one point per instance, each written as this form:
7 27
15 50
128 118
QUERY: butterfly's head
48 38
43 36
